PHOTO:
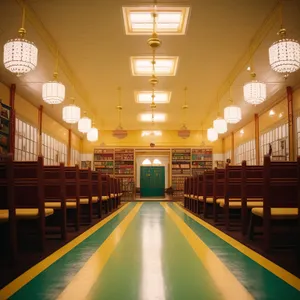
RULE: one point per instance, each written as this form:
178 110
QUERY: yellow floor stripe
19 282
224 280
84 280
264 262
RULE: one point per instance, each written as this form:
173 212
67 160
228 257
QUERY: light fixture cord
119 107
184 107
281 14
230 94
56 65
23 16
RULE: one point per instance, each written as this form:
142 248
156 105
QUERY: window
227 155
246 152
25 141
75 157
277 138
53 151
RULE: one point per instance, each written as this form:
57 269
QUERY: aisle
154 251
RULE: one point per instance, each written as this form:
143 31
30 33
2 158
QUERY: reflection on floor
156 251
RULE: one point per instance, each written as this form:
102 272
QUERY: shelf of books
124 168
181 168
4 128
202 160
104 160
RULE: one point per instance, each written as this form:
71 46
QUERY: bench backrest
219 183
208 183
233 179
281 183
54 182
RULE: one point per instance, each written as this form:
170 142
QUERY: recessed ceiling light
271 112
152 133
242 131
164 65
147 117
170 20
146 97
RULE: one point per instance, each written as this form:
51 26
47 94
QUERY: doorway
152 158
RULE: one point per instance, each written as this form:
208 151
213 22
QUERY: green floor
154 260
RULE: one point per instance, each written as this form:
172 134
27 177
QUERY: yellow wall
4 93
169 138
29 113
249 134
267 122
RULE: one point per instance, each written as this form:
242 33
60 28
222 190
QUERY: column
257 145
12 129
289 93
40 129
232 147
69 147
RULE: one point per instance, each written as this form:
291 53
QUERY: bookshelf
4 128
104 160
124 168
202 160
181 168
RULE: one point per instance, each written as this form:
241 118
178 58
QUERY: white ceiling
95 56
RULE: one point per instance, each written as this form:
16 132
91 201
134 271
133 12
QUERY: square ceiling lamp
147 117
170 20
161 97
164 65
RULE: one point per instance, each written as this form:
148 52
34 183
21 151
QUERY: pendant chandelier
232 114
92 135
212 134
284 54
71 113
255 92
220 125
20 55
84 124
53 91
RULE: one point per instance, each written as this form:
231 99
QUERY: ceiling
95 57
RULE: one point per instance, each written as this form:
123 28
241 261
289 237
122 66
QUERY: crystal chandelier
84 124
255 92
53 91
220 125
20 55
232 114
212 134
71 114
92 135
284 54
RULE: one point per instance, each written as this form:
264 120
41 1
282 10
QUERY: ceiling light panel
147 117
170 20
146 97
164 65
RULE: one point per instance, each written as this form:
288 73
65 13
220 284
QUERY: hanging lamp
220 125
232 113
183 132
71 113
212 134
255 92
284 54
92 135
84 124
20 56
53 92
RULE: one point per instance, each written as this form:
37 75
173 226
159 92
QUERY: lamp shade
84 124
255 92
220 125
53 92
232 114
284 55
212 134
71 114
146 162
20 56
92 135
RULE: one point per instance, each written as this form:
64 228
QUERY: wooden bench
208 184
281 199
218 191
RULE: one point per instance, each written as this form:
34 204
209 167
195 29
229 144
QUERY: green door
152 181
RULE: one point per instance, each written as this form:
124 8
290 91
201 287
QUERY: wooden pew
252 192
97 191
193 195
55 194
208 184
281 201
218 191
25 194
199 191
106 193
